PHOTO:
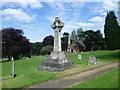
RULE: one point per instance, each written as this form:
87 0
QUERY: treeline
93 40
15 45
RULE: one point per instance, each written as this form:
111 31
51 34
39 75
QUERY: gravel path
76 77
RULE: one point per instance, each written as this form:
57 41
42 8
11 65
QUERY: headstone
12 67
26 57
92 60
81 51
57 60
79 57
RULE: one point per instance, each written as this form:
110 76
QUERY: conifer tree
111 30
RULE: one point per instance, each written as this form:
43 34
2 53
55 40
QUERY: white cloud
34 4
50 18
58 8
16 14
110 5
56 5
77 4
26 26
84 24
96 19
70 26
99 23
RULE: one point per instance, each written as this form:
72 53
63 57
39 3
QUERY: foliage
46 50
80 34
64 41
112 31
73 35
93 40
48 40
14 43
36 47
65 34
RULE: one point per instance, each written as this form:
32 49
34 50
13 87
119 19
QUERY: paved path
76 77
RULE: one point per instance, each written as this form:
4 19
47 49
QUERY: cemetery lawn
27 72
106 80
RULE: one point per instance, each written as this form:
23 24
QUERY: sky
35 17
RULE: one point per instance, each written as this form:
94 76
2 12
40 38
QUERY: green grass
105 56
106 80
28 74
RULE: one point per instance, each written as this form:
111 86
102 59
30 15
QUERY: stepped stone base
55 62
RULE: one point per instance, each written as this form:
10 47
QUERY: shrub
46 50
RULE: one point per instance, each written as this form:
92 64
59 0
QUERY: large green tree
48 40
112 31
36 48
93 40
14 43
80 34
74 35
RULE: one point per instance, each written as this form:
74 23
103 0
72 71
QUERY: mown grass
104 56
106 80
27 72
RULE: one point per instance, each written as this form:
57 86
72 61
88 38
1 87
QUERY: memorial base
55 62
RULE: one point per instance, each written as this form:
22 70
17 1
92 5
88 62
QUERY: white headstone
79 57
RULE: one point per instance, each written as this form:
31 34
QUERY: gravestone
79 57
12 67
57 60
92 60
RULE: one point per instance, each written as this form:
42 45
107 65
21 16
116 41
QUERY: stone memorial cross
57 26
57 60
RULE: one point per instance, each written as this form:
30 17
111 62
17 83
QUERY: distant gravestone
81 51
12 67
79 57
27 58
92 60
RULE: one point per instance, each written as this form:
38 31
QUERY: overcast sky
35 17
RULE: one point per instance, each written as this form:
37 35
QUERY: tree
80 34
93 40
36 47
14 43
48 40
46 50
64 41
73 35
112 31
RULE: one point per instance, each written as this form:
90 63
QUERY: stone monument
92 60
12 67
57 60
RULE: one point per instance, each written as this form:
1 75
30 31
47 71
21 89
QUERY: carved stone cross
57 26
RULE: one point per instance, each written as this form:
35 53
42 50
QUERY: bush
46 50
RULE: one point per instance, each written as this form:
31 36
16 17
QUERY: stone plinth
55 62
